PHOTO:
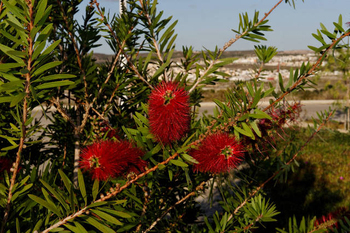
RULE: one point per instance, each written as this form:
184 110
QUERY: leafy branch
250 30
120 45
253 193
310 71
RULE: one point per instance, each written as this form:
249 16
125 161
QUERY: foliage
59 107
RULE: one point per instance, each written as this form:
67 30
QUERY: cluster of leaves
48 74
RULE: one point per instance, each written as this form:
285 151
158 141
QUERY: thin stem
281 169
229 44
121 48
155 44
198 188
310 72
111 194
24 116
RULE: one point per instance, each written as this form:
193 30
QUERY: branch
281 169
63 112
310 72
27 76
198 188
229 43
111 194
121 48
156 46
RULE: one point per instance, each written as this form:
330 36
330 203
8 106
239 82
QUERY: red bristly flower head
169 112
108 159
218 153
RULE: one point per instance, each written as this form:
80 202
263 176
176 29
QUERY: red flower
218 153
169 112
330 221
108 159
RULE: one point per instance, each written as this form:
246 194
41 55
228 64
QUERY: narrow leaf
82 186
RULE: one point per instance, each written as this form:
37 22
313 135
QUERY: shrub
131 124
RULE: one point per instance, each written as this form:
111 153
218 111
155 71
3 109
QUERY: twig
310 72
63 112
111 194
281 169
144 208
132 66
80 127
233 40
198 188
156 46
229 43
24 116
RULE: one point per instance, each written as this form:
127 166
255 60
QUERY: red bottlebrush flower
218 153
108 159
330 221
169 112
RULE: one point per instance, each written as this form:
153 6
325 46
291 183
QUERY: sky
208 23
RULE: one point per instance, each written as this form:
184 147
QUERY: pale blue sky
207 23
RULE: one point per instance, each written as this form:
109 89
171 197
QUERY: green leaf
82 186
99 203
10 77
59 229
116 212
46 67
80 227
38 49
19 192
17 98
328 34
241 131
54 77
16 11
255 128
14 85
40 10
142 118
189 158
9 148
340 28
67 183
93 222
47 51
44 203
160 70
54 84
107 217
95 190
248 130
7 66
10 52
179 163
72 228
58 196
260 114
5 99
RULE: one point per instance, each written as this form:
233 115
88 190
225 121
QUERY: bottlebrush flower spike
108 159
218 153
169 112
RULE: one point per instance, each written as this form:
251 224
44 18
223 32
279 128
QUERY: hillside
177 55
